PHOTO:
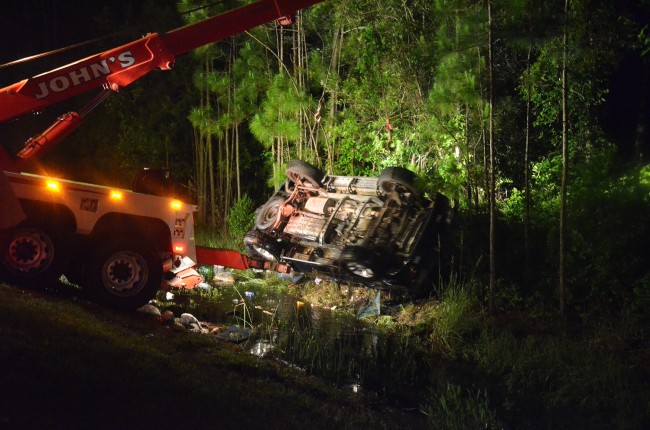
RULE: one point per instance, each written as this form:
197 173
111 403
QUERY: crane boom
121 66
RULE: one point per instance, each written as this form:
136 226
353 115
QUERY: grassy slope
73 364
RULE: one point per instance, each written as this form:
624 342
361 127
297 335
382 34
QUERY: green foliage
643 41
644 182
241 218
546 92
637 314
545 180
455 316
607 227
203 120
277 118
369 84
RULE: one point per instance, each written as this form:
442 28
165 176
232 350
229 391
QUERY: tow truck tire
300 171
398 179
361 262
35 255
123 274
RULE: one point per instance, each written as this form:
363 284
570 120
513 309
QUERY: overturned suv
379 232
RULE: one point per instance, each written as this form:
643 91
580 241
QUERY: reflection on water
261 348
332 345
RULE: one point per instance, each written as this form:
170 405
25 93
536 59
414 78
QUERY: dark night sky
32 27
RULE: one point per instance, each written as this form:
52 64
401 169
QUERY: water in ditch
336 346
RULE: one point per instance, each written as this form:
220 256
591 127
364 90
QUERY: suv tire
300 171
362 262
396 179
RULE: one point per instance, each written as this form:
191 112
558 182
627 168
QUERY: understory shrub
241 217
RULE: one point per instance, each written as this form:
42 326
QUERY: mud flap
184 276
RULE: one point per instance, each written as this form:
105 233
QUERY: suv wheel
268 214
299 171
362 262
397 179
262 246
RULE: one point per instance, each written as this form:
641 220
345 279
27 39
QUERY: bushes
607 234
241 218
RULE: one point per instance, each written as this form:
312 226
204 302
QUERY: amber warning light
176 204
179 249
53 186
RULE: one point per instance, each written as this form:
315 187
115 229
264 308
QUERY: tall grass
450 409
446 321
536 373
562 381
215 238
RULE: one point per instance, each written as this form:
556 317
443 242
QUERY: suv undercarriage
379 232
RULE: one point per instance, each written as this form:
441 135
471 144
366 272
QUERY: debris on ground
235 334
374 307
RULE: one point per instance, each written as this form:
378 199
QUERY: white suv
379 232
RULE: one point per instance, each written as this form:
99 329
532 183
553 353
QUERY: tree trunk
299 74
468 167
237 167
199 173
565 165
337 44
202 153
527 177
492 174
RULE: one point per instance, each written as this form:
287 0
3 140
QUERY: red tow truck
121 245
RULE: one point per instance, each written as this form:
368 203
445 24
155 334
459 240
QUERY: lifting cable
56 51
88 42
